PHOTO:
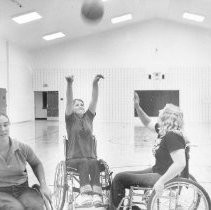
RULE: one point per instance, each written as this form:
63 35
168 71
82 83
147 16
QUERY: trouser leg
95 176
126 179
8 202
83 169
31 199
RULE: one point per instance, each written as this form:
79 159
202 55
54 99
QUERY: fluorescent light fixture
194 17
121 18
28 17
53 36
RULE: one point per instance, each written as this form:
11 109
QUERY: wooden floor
123 146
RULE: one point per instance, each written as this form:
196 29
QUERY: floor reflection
122 145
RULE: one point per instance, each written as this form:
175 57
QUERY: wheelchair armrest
47 202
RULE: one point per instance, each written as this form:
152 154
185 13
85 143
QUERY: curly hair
171 119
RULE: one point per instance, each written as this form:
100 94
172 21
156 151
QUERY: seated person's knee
13 206
32 200
118 176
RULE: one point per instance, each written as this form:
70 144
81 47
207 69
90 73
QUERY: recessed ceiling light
53 36
28 17
194 17
121 18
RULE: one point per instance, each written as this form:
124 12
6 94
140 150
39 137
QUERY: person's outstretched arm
145 119
69 95
37 168
93 103
176 150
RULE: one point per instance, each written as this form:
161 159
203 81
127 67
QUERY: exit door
3 102
52 105
46 105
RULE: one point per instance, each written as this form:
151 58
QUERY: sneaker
84 200
97 200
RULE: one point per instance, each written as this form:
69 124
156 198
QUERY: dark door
52 107
154 100
3 102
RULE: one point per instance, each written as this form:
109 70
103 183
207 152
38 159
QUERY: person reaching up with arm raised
81 153
169 152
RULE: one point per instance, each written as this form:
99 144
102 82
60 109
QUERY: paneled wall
116 90
16 77
126 56
3 64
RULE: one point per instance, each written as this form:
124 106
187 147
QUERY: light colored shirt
13 169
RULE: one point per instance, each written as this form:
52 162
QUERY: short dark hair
5 115
78 99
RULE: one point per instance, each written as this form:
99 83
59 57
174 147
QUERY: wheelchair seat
101 163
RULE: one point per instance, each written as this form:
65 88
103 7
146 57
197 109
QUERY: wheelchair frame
171 196
151 201
66 179
47 202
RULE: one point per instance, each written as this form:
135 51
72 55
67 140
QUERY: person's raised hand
97 78
69 79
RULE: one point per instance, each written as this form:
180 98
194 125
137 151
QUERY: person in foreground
15 194
169 152
81 152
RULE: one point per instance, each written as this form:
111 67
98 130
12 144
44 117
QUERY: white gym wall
16 76
125 57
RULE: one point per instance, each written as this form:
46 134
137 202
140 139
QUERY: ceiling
64 15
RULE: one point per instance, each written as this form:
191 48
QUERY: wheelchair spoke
181 195
60 186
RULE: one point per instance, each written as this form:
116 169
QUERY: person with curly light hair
170 119
171 159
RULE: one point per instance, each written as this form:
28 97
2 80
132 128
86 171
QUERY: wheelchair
47 203
178 194
67 187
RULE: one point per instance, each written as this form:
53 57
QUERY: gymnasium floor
123 146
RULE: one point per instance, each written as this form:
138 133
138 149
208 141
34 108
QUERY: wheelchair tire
155 201
191 177
60 185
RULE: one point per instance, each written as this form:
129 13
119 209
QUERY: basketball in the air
92 10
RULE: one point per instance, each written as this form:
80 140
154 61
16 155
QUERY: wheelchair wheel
191 177
180 194
60 185
105 180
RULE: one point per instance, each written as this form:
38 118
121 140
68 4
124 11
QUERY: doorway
46 105
3 101
154 100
